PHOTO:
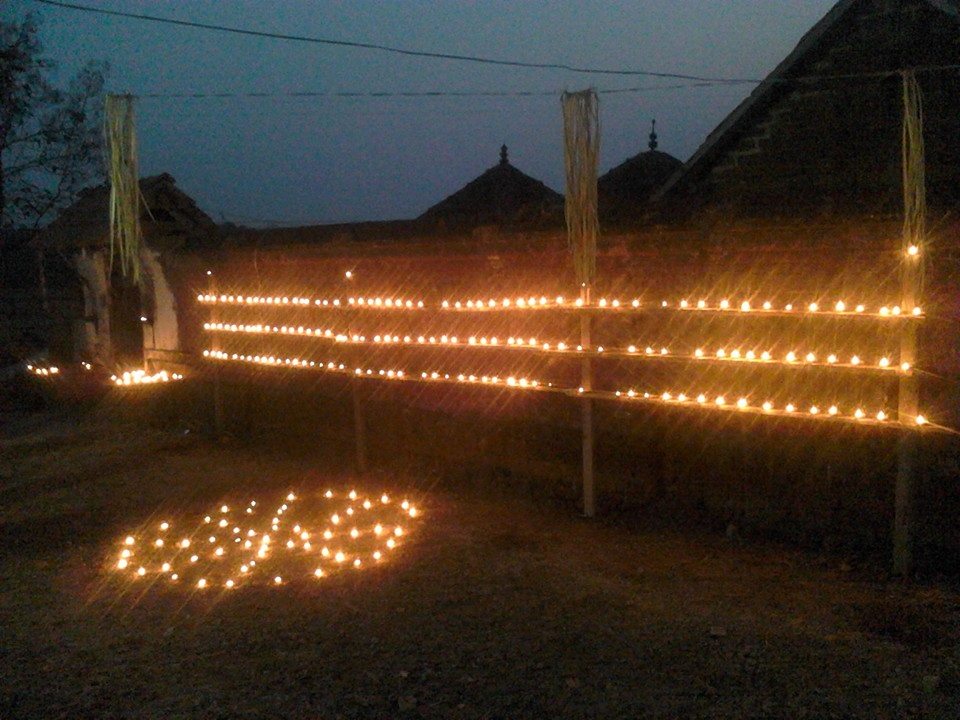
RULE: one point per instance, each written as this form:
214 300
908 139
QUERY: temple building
501 196
623 191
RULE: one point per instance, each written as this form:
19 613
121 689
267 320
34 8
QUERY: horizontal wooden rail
763 358
705 401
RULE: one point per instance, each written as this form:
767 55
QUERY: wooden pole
218 424
581 136
359 427
908 443
913 249
907 459
586 409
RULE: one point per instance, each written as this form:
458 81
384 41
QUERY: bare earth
495 608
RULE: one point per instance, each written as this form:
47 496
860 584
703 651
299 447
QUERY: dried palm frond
581 141
123 173
914 172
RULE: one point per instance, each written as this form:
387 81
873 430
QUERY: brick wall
834 145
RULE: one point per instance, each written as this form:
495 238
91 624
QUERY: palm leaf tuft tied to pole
581 137
123 173
914 174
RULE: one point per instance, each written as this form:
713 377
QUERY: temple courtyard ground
494 606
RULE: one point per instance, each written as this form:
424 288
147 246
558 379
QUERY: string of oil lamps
745 307
721 402
839 308
792 358
124 379
142 377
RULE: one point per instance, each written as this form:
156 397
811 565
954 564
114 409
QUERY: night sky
285 161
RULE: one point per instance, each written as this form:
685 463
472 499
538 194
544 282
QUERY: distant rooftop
167 211
502 195
624 190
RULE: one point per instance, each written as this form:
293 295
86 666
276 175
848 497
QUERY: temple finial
503 155
653 135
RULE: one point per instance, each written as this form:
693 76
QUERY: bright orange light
220 566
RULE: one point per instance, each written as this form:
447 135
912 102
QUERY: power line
876 75
695 80
395 50
413 93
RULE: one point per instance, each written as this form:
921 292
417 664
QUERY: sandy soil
495 608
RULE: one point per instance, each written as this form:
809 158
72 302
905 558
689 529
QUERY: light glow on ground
293 540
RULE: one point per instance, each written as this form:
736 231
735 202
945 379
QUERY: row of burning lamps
340 368
736 355
536 303
142 377
123 379
838 308
233 553
699 400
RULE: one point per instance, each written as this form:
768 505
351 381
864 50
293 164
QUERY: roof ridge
772 81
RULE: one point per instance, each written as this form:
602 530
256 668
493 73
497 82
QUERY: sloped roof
169 212
624 189
502 195
638 175
771 88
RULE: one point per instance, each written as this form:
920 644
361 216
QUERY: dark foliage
49 137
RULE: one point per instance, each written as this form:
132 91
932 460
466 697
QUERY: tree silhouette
50 138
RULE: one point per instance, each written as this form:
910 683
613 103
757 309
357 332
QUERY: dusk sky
264 161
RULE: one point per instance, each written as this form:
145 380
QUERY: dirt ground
497 607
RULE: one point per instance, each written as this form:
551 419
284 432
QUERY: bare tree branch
50 138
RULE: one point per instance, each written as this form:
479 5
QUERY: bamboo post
581 135
912 260
218 424
908 444
908 448
586 408
359 426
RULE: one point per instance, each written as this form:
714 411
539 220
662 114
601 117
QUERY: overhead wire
695 80
392 49
409 93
